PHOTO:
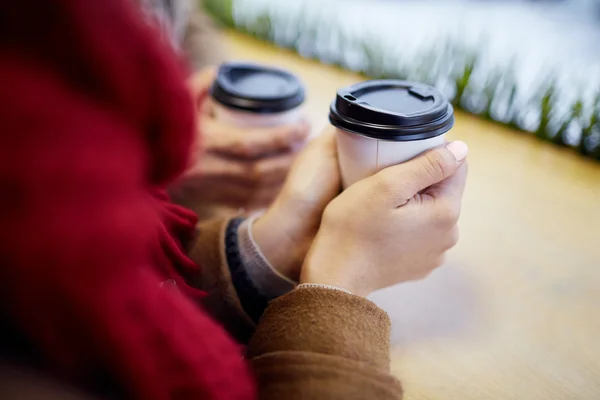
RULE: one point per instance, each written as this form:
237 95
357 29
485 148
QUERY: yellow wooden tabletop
515 313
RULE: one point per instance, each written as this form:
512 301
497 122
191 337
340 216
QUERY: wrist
281 240
322 267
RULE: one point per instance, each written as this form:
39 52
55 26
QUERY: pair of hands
392 227
239 167
389 228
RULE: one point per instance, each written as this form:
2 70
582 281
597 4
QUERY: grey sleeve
267 279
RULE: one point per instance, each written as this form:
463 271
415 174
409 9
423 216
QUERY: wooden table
515 313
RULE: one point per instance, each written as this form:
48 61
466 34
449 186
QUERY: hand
286 230
237 167
392 227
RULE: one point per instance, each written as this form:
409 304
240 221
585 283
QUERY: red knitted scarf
94 120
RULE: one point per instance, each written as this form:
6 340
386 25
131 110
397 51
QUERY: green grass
494 100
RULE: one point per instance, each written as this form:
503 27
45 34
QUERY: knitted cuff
267 279
322 286
253 301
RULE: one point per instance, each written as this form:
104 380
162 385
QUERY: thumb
325 142
317 158
314 178
405 180
201 80
199 84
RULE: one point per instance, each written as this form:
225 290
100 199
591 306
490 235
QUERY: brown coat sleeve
311 343
323 344
222 302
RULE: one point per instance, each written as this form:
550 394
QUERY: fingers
447 197
200 81
401 182
199 84
229 194
314 178
258 174
218 187
269 171
206 107
254 143
322 147
325 142
452 187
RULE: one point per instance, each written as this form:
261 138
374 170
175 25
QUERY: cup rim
224 92
359 117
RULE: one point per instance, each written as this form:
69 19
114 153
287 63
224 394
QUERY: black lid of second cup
257 88
392 110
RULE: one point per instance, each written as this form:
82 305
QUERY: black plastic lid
257 88
392 110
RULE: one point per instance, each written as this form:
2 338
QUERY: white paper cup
386 122
361 156
249 119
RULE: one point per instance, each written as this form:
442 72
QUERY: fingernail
458 149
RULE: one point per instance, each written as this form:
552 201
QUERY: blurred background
514 312
534 65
